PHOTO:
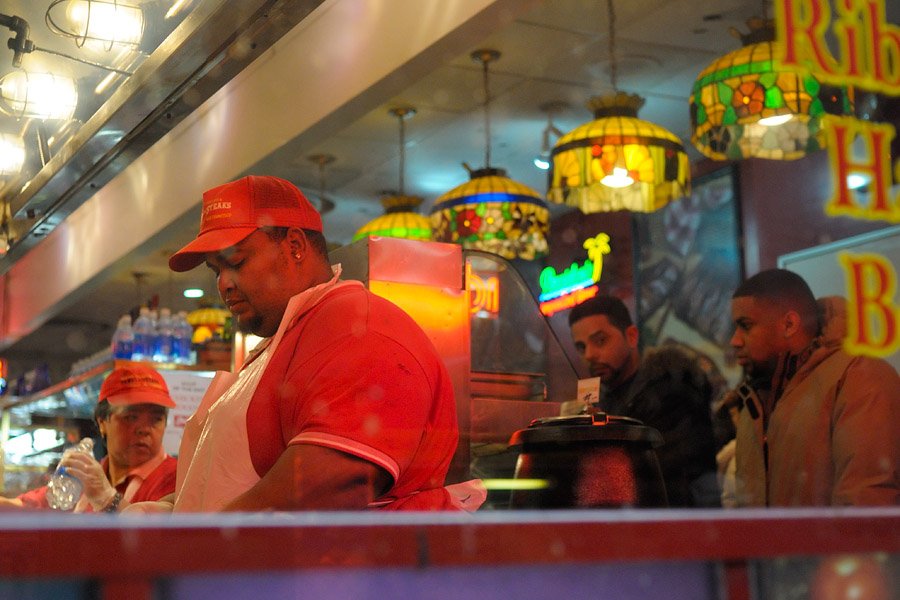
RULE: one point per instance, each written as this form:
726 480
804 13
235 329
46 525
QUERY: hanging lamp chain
487 116
613 74
402 157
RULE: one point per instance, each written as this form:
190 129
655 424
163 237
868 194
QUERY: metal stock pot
587 461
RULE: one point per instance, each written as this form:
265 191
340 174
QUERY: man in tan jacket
818 426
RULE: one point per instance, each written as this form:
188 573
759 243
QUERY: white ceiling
556 52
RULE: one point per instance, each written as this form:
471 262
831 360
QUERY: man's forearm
309 477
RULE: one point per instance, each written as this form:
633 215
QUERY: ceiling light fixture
491 212
177 7
745 105
5 220
322 160
617 161
38 95
542 160
12 155
99 22
400 219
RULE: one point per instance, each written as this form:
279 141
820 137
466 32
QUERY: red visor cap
135 384
234 210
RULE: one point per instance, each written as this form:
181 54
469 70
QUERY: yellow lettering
840 133
871 312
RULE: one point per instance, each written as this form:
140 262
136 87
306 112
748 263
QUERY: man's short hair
610 307
315 238
786 289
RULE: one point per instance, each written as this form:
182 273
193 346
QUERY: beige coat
833 437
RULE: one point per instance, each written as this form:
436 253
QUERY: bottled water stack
143 336
162 347
182 333
64 490
123 339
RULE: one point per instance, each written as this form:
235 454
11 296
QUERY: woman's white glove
97 488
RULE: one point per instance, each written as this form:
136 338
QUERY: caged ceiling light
745 105
98 22
491 212
12 155
400 219
38 95
618 161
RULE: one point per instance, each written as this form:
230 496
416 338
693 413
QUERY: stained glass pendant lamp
491 212
744 105
400 219
618 161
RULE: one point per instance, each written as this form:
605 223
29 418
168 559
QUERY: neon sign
564 290
484 292
568 301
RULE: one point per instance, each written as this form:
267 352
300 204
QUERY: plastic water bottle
143 336
162 346
183 334
123 339
64 490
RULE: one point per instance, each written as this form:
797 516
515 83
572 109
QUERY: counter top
111 544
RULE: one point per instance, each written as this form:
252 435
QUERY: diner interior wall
783 209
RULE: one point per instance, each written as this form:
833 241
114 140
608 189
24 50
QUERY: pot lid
594 427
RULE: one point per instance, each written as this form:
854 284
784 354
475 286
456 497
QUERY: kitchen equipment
587 461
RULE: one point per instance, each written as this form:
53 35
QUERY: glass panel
836 577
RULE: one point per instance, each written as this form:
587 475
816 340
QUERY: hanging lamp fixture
617 161
106 23
325 205
400 219
542 160
29 95
12 155
491 212
746 105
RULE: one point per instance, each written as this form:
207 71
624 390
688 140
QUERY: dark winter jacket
672 394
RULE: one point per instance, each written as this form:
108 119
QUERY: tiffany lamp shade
618 162
746 105
400 220
493 213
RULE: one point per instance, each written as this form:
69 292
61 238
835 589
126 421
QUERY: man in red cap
131 416
346 404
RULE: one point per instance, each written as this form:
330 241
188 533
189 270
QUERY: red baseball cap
234 210
135 384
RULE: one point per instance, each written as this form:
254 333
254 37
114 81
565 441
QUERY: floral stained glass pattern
617 143
734 97
493 213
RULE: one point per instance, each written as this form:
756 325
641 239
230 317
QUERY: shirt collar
141 471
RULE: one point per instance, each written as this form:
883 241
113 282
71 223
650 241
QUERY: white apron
214 465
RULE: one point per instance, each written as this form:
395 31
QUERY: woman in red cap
131 416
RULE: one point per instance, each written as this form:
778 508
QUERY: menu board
187 389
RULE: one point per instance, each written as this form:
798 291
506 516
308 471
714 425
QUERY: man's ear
631 336
101 425
297 242
791 324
